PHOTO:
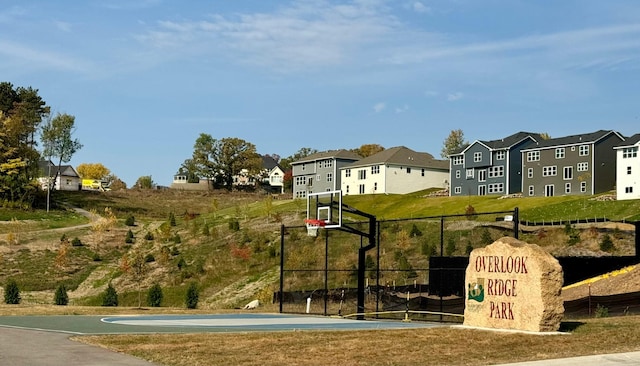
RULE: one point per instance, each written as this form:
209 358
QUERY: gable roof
629 142
331 154
65 170
403 156
503 143
585 138
268 162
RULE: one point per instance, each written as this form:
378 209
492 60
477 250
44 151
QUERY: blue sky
145 77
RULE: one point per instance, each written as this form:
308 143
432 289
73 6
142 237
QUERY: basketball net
313 226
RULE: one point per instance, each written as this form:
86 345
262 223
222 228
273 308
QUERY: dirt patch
619 282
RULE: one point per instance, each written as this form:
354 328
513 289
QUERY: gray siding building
489 167
572 165
320 172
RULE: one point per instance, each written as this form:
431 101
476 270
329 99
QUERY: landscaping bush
191 298
154 296
76 242
234 225
606 245
149 258
148 235
130 221
415 231
129 238
110 296
12 292
61 297
172 219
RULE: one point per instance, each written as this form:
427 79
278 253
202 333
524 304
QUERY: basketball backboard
327 207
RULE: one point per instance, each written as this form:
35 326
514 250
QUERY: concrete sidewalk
616 359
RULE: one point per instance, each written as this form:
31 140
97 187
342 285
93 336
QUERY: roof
503 143
403 156
585 138
629 142
331 154
44 165
268 162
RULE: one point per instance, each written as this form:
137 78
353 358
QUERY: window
422 172
347 191
628 189
567 173
458 160
361 189
477 157
303 166
329 177
496 171
628 170
549 171
500 155
300 181
560 153
629 152
531 191
318 177
482 175
496 188
583 167
469 173
457 190
583 187
375 186
533 156
375 169
347 173
457 174
301 194
408 170
567 188
530 173
362 174
584 150
310 182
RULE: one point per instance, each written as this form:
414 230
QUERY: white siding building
628 169
397 170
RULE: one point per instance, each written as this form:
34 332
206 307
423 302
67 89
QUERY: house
320 172
273 174
579 164
66 177
398 170
628 169
490 167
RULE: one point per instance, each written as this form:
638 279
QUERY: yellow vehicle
94 185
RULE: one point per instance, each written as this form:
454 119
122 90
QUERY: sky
144 78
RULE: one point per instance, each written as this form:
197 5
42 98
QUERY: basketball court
239 322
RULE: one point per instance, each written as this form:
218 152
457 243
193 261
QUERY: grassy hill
228 243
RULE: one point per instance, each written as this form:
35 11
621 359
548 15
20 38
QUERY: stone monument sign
513 285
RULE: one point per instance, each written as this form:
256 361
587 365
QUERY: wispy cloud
63 26
419 7
128 4
305 34
42 59
402 109
452 97
379 107
10 14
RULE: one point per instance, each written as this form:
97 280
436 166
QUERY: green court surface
241 322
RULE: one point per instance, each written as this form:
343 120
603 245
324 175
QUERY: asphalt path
45 348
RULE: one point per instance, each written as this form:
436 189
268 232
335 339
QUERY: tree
57 142
61 297
145 182
21 112
454 142
110 296
136 267
367 150
192 296
154 296
223 159
12 292
93 171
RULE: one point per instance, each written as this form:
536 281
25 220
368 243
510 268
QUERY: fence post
516 222
281 266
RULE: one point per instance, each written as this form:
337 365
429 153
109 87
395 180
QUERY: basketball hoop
313 226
